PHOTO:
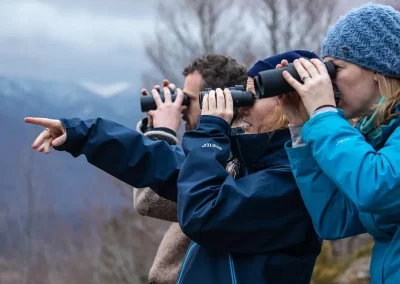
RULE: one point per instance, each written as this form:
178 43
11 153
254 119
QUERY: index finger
45 122
167 95
212 101
220 99
228 99
320 66
179 97
156 97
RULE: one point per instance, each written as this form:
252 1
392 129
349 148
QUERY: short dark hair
218 71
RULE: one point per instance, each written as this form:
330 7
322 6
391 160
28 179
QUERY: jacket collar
385 131
260 151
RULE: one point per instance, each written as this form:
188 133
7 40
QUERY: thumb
59 140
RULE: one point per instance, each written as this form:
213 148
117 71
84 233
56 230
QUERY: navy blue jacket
125 154
254 229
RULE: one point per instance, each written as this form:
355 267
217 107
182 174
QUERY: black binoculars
267 84
147 102
239 95
271 83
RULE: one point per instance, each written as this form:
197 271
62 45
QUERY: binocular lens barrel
240 98
147 102
271 83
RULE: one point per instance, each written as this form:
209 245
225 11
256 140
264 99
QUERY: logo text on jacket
211 145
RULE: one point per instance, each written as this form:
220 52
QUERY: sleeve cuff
295 133
164 134
319 119
141 126
215 123
299 156
323 110
72 136
165 129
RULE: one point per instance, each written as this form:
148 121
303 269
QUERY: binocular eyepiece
147 102
239 95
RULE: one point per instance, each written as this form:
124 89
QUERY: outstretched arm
123 153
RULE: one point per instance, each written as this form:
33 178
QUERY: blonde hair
274 121
390 90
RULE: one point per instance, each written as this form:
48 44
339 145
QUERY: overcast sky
96 42
92 41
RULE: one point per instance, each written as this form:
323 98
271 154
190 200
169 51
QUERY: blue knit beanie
271 62
368 36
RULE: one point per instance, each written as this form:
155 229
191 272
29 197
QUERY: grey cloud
99 41
120 8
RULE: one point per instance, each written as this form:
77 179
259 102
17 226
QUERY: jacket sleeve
146 201
369 178
125 154
261 212
333 214
150 204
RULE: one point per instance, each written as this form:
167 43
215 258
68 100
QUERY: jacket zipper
184 262
232 267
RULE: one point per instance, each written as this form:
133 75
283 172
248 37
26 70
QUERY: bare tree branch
290 24
192 28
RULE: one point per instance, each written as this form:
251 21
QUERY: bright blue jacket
254 229
351 188
125 154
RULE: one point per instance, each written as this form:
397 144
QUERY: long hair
274 121
390 90
277 119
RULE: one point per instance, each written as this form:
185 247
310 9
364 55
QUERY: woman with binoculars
349 177
247 220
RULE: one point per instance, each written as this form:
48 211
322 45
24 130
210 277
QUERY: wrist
324 106
166 130
323 109
170 127
163 133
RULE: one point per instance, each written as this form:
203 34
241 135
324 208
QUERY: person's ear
375 77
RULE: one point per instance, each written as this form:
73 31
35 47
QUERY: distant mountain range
58 180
